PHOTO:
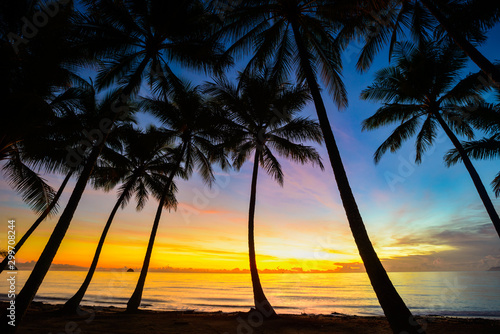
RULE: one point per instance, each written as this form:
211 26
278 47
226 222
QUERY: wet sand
44 318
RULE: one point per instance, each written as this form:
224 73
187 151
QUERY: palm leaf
34 189
425 138
486 148
271 165
397 137
300 129
496 185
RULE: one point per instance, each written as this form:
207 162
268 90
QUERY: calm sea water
468 294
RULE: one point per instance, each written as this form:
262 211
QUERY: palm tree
486 118
142 167
33 188
463 22
31 69
263 121
32 76
140 38
193 123
485 148
418 91
455 33
98 109
151 33
299 32
47 151
26 178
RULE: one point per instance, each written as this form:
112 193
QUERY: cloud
469 243
349 267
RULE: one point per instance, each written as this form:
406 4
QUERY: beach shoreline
44 318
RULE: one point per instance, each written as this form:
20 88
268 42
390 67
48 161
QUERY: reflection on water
442 293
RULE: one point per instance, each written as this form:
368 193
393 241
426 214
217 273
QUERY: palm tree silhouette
300 32
94 110
140 39
151 34
142 169
21 178
48 151
485 148
464 23
492 11
263 120
31 70
417 91
189 119
485 117
33 188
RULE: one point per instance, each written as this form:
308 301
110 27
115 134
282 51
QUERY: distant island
494 269
130 270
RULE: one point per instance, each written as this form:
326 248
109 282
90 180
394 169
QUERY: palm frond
486 148
141 195
397 137
458 124
425 138
296 152
31 186
300 129
271 165
496 185
391 113
467 91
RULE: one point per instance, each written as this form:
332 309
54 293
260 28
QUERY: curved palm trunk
397 313
37 222
261 303
477 57
481 190
24 298
71 306
42 266
135 300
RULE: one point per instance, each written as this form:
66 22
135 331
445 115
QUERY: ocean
458 294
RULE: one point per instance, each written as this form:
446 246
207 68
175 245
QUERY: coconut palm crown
262 120
420 95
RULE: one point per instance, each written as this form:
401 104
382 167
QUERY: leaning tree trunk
477 57
24 298
42 266
42 217
399 316
135 300
261 303
71 306
481 190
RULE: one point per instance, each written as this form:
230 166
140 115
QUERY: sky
423 217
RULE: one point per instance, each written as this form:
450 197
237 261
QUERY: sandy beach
43 318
